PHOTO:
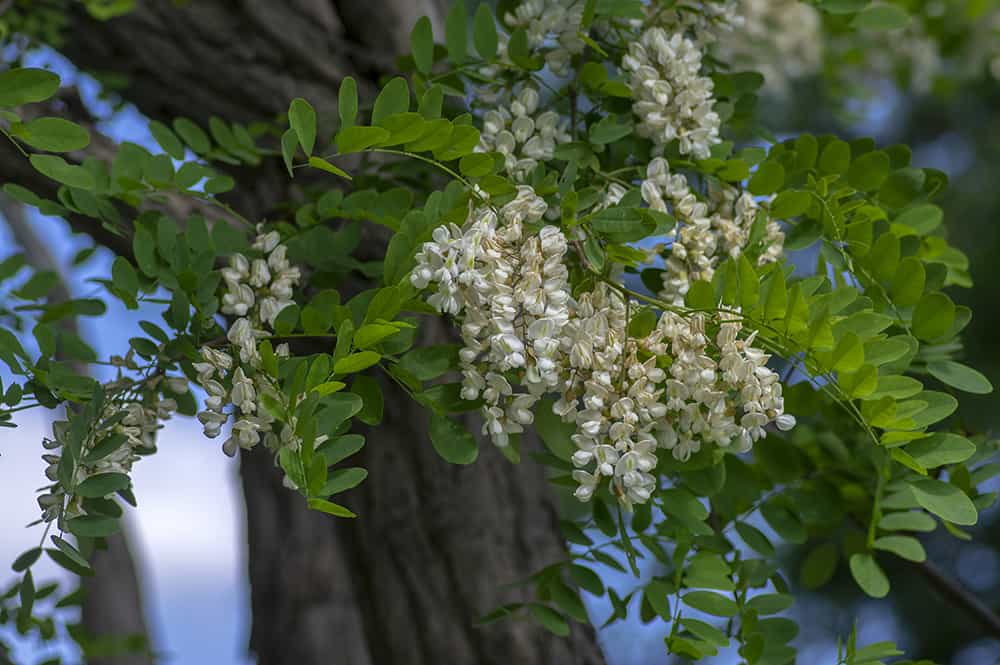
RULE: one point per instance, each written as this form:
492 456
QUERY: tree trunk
435 545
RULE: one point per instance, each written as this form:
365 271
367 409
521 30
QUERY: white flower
671 98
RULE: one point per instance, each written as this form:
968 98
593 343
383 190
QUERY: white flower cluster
257 291
136 410
555 21
671 98
633 406
503 275
521 136
525 335
511 288
708 232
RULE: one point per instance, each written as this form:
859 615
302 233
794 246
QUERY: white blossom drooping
708 232
671 98
522 135
510 288
256 291
136 408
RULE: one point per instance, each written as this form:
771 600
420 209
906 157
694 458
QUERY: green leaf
330 508
26 559
342 480
906 547
394 98
551 620
422 45
456 32
587 579
452 441
835 158
869 171
939 406
52 134
302 119
784 522
712 603
933 316
371 334
879 17
102 485
358 137
193 135
431 102
124 277
61 171
869 575
790 203
940 449
608 130
368 389
347 102
289 143
769 178
219 184
26 85
429 362
770 603
922 218
341 447
93 526
755 538
71 552
945 500
819 566
323 165
907 521
776 298
167 139
908 282
902 187
356 362
960 376
655 594
484 32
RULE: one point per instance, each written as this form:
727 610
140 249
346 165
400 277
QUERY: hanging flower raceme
671 98
123 431
525 336
522 135
257 291
509 288
708 232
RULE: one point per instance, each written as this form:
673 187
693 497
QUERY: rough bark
435 545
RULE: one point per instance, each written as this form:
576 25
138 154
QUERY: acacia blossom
672 100
707 232
256 291
133 412
525 335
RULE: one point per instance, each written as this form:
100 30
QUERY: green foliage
872 330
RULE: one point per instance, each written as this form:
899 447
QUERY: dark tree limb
960 597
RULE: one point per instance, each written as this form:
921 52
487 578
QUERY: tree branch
960 597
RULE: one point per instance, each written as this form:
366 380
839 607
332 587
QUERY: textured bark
435 545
